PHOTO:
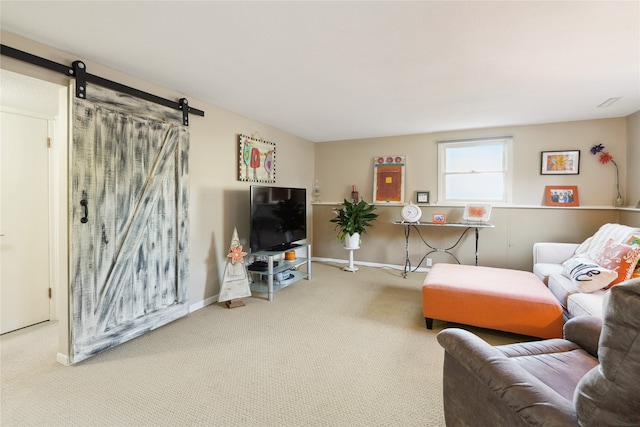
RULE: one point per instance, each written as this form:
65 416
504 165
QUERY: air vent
608 102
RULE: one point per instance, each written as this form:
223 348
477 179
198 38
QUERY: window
475 170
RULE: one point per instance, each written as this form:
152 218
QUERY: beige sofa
549 258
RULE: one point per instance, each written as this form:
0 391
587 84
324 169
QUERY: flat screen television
278 217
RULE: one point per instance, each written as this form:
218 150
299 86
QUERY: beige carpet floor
344 349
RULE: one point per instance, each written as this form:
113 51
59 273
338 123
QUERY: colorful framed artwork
560 162
388 180
439 218
422 197
257 160
562 195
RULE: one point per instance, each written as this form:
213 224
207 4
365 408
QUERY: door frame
58 215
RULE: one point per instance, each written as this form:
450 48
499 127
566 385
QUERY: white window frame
507 167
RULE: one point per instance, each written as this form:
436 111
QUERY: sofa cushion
561 370
574 302
543 270
608 394
620 258
587 275
561 287
553 252
635 241
585 304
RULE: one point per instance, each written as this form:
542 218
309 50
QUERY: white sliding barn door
129 219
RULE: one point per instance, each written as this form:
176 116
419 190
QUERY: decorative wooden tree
235 282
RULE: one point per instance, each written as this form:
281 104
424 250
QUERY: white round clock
411 212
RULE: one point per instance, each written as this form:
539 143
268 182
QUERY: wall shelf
503 206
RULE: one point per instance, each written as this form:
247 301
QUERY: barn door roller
79 71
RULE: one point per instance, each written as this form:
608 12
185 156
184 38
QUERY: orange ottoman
495 298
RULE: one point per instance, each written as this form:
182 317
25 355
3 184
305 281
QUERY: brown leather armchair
589 378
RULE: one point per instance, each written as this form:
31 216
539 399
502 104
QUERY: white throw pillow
587 275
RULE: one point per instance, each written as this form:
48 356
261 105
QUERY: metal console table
415 225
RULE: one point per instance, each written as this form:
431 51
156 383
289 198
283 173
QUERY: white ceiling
343 70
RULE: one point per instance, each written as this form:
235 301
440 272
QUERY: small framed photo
477 212
562 195
560 162
439 218
422 197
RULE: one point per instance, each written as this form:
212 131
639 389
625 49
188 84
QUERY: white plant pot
352 241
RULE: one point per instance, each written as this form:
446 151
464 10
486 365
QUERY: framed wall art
422 197
257 160
388 180
562 195
560 162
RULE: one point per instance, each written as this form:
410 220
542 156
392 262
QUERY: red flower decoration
608 158
605 158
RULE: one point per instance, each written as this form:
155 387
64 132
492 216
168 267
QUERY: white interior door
24 222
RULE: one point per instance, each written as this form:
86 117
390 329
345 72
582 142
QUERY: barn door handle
85 203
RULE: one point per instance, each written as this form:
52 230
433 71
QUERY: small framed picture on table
562 195
439 218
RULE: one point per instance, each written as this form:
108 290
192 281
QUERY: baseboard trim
201 304
369 264
63 359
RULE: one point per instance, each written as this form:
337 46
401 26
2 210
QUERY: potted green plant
352 220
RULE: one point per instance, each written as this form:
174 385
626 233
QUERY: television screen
278 217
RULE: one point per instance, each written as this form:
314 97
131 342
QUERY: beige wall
341 164
633 159
219 202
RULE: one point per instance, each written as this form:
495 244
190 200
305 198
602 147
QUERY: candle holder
354 194
316 193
